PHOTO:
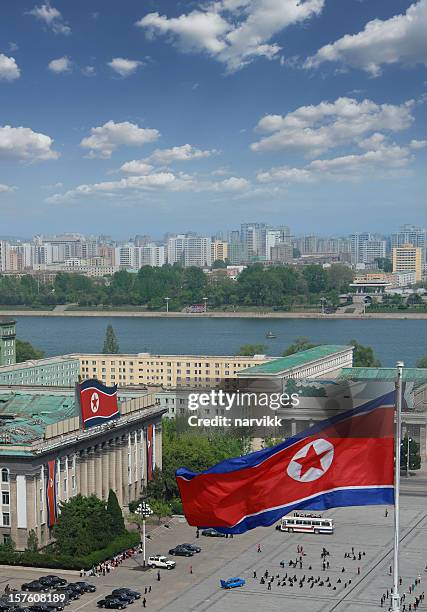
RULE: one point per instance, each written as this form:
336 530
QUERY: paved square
367 530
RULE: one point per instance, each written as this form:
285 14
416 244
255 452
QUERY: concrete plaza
366 529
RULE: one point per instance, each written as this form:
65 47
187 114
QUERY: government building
42 424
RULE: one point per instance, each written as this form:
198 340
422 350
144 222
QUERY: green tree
248 350
339 278
300 344
422 362
414 454
25 350
111 346
364 356
32 541
116 515
160 508
316 277
83 526
219 263
384 263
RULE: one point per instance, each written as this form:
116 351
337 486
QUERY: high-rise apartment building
189 250
408 258
366 248
253 236
410 234
273 237
7 341
219 250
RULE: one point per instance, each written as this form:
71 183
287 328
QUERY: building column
98 472
112 465
125 473
105 471
119 479
90 472
83 483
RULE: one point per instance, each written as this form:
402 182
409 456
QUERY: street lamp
167 304
205 299
143 510
322 302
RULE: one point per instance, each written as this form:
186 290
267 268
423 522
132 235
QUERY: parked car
192 547
161 561
34 585
86 587
76 586
69 592
135 594
57 605
212 533
112 604
181 551
52 581
128 599
232 583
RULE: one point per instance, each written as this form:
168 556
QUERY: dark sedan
131 592
35 586
85 587
125 597
52 581
192 547
212 533
112 604
181 551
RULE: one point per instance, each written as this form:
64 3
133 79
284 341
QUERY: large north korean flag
344 461
98 403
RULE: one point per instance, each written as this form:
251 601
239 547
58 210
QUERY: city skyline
171 116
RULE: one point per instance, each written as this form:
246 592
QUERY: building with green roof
42 425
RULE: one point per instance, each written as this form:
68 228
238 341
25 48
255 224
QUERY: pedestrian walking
144 602
259 548
197 533
191 569
158 576
386 512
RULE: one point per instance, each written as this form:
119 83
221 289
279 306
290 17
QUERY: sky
148 117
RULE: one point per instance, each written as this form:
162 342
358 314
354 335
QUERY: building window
5 475
6 519
5 500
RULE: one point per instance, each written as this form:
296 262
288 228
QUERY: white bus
306 524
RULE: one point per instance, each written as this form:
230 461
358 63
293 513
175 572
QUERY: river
391 339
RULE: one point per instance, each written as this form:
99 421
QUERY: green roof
25 416
276 366
409 374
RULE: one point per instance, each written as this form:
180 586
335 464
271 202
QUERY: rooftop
384 374
276 366
25 414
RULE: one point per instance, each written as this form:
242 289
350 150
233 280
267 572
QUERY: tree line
281 287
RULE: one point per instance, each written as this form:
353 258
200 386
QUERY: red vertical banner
149 440
51 493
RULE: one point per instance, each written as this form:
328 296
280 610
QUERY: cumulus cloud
418 144
9 69
382 158
136 166
315 129
105 139
124 67
23 144
7 188
154 181
181 153
51 17
60 65
401 39
234 32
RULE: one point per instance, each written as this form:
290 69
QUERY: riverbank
212 315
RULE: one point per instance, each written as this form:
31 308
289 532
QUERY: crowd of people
109 564
409 593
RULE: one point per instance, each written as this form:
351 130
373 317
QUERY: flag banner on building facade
52 510
345 460
98 403
150 449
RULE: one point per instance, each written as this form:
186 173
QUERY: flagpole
395 598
